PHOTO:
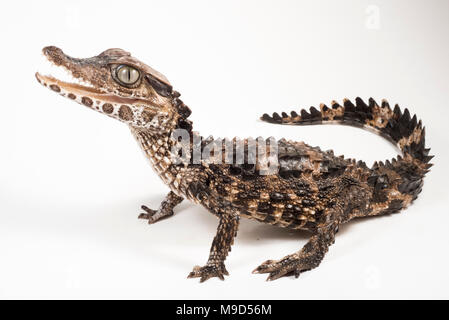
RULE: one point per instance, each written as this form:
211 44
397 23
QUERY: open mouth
77 91
60 85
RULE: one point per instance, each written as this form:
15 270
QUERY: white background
72 180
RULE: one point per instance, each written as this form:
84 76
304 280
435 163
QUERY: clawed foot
208 271
289 265
154 215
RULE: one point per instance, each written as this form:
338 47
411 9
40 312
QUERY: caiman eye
127 75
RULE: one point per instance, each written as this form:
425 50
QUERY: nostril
53 53
51 50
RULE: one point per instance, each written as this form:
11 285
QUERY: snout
54 54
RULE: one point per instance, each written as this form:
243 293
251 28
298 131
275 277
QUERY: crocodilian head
118 85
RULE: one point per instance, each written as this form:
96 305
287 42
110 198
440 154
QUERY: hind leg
309 257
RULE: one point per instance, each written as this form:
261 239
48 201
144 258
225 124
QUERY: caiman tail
404 173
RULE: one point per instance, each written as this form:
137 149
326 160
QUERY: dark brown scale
185 124
265 207
253 195
234 170
221 190
297 209
305 115
277 117
267 118
315 115
107 108
226 179
395 206
286 215
86 101
277 197
302 192
242 195
335 105
308 203
161 88
55 88
361 105
269 219
184 111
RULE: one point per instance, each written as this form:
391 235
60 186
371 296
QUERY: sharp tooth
46 67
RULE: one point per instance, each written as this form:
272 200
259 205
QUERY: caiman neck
167 123
157 145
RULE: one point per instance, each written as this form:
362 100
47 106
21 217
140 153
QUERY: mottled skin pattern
312 190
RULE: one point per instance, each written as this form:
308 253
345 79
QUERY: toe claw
147 214
258 270
148 210
289 265
296 273
275 275
143 216
154 215
264 267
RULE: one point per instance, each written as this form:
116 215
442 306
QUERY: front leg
221 245
165 209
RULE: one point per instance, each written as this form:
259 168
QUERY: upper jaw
58 57
78 69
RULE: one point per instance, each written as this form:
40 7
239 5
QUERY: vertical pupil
127 74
